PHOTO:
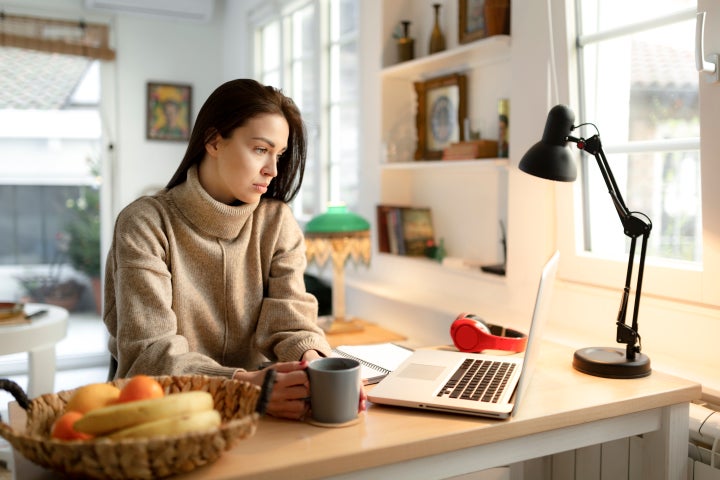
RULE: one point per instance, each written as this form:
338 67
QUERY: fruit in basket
141 387
106 420
62 428
92 396
189 422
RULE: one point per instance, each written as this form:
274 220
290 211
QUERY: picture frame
441 110
471 20
169 107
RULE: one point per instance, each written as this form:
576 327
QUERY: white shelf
490 163
465 57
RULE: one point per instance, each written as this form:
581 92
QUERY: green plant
84 230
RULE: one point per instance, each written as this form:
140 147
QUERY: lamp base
332 325
610 363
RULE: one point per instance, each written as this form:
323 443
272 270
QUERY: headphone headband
472 334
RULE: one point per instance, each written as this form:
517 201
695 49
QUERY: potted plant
83 230
53 287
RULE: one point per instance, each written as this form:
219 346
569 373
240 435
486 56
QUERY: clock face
442 124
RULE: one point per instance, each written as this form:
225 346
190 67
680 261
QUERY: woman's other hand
311 355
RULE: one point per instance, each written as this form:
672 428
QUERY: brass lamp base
332 325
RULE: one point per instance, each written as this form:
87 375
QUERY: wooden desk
368 333
37 337
563 410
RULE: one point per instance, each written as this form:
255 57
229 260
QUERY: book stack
404 230
471 150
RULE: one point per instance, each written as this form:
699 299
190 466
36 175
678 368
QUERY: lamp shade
550 158
337 219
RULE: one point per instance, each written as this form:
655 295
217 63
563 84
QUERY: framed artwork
441 109
471 21
168 111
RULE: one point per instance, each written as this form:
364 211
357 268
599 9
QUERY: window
309 49
50 131
637 82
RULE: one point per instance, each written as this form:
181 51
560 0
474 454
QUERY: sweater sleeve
287 326
143 327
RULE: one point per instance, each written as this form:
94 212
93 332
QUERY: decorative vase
497 17
405 44
437 39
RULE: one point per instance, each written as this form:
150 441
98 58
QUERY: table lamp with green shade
341 236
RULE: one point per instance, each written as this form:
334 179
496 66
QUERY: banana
188 422
102 421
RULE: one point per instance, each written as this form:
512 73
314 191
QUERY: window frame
687 282
323 169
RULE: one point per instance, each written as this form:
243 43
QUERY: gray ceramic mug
334 389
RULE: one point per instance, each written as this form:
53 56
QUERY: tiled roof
654 67
38 80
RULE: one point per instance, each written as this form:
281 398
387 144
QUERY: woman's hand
290 397
290 394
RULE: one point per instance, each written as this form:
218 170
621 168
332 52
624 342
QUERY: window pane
599 15
344 78
348 153
349 16
665 186
304 28
270 46
641 90
643 86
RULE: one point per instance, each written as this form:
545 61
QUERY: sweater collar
207 214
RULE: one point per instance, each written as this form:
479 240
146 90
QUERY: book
376 360
417 230
404 230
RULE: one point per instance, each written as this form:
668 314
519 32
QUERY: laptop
437 379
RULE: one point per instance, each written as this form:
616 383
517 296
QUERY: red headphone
471 334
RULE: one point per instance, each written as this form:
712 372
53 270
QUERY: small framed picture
471 20
168 111
441 109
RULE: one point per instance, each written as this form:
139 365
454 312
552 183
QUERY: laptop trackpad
421 372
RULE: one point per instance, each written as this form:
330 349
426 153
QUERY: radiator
622 459
704 442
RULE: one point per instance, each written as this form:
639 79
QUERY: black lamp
551 159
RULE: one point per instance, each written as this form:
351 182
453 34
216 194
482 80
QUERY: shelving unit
468 198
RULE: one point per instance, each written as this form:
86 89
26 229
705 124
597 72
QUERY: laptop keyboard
479 380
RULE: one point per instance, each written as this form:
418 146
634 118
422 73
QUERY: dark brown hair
230 106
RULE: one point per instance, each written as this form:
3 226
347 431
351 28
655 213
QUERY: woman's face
242 166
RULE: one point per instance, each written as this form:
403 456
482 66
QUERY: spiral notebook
376 360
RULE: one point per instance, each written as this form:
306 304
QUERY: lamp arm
635 225
594 147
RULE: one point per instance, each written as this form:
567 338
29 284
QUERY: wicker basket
240 405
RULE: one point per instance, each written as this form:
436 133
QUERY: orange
140 387
92 396
63 427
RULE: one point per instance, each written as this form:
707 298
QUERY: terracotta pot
497 17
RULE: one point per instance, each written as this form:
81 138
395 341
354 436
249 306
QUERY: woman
206 276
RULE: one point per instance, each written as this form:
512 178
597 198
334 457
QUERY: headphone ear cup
467 331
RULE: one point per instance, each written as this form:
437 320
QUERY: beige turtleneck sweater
194 286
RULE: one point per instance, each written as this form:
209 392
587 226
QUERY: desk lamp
339 235
551 159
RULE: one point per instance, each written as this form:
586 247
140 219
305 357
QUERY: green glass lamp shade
337 219
550 158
